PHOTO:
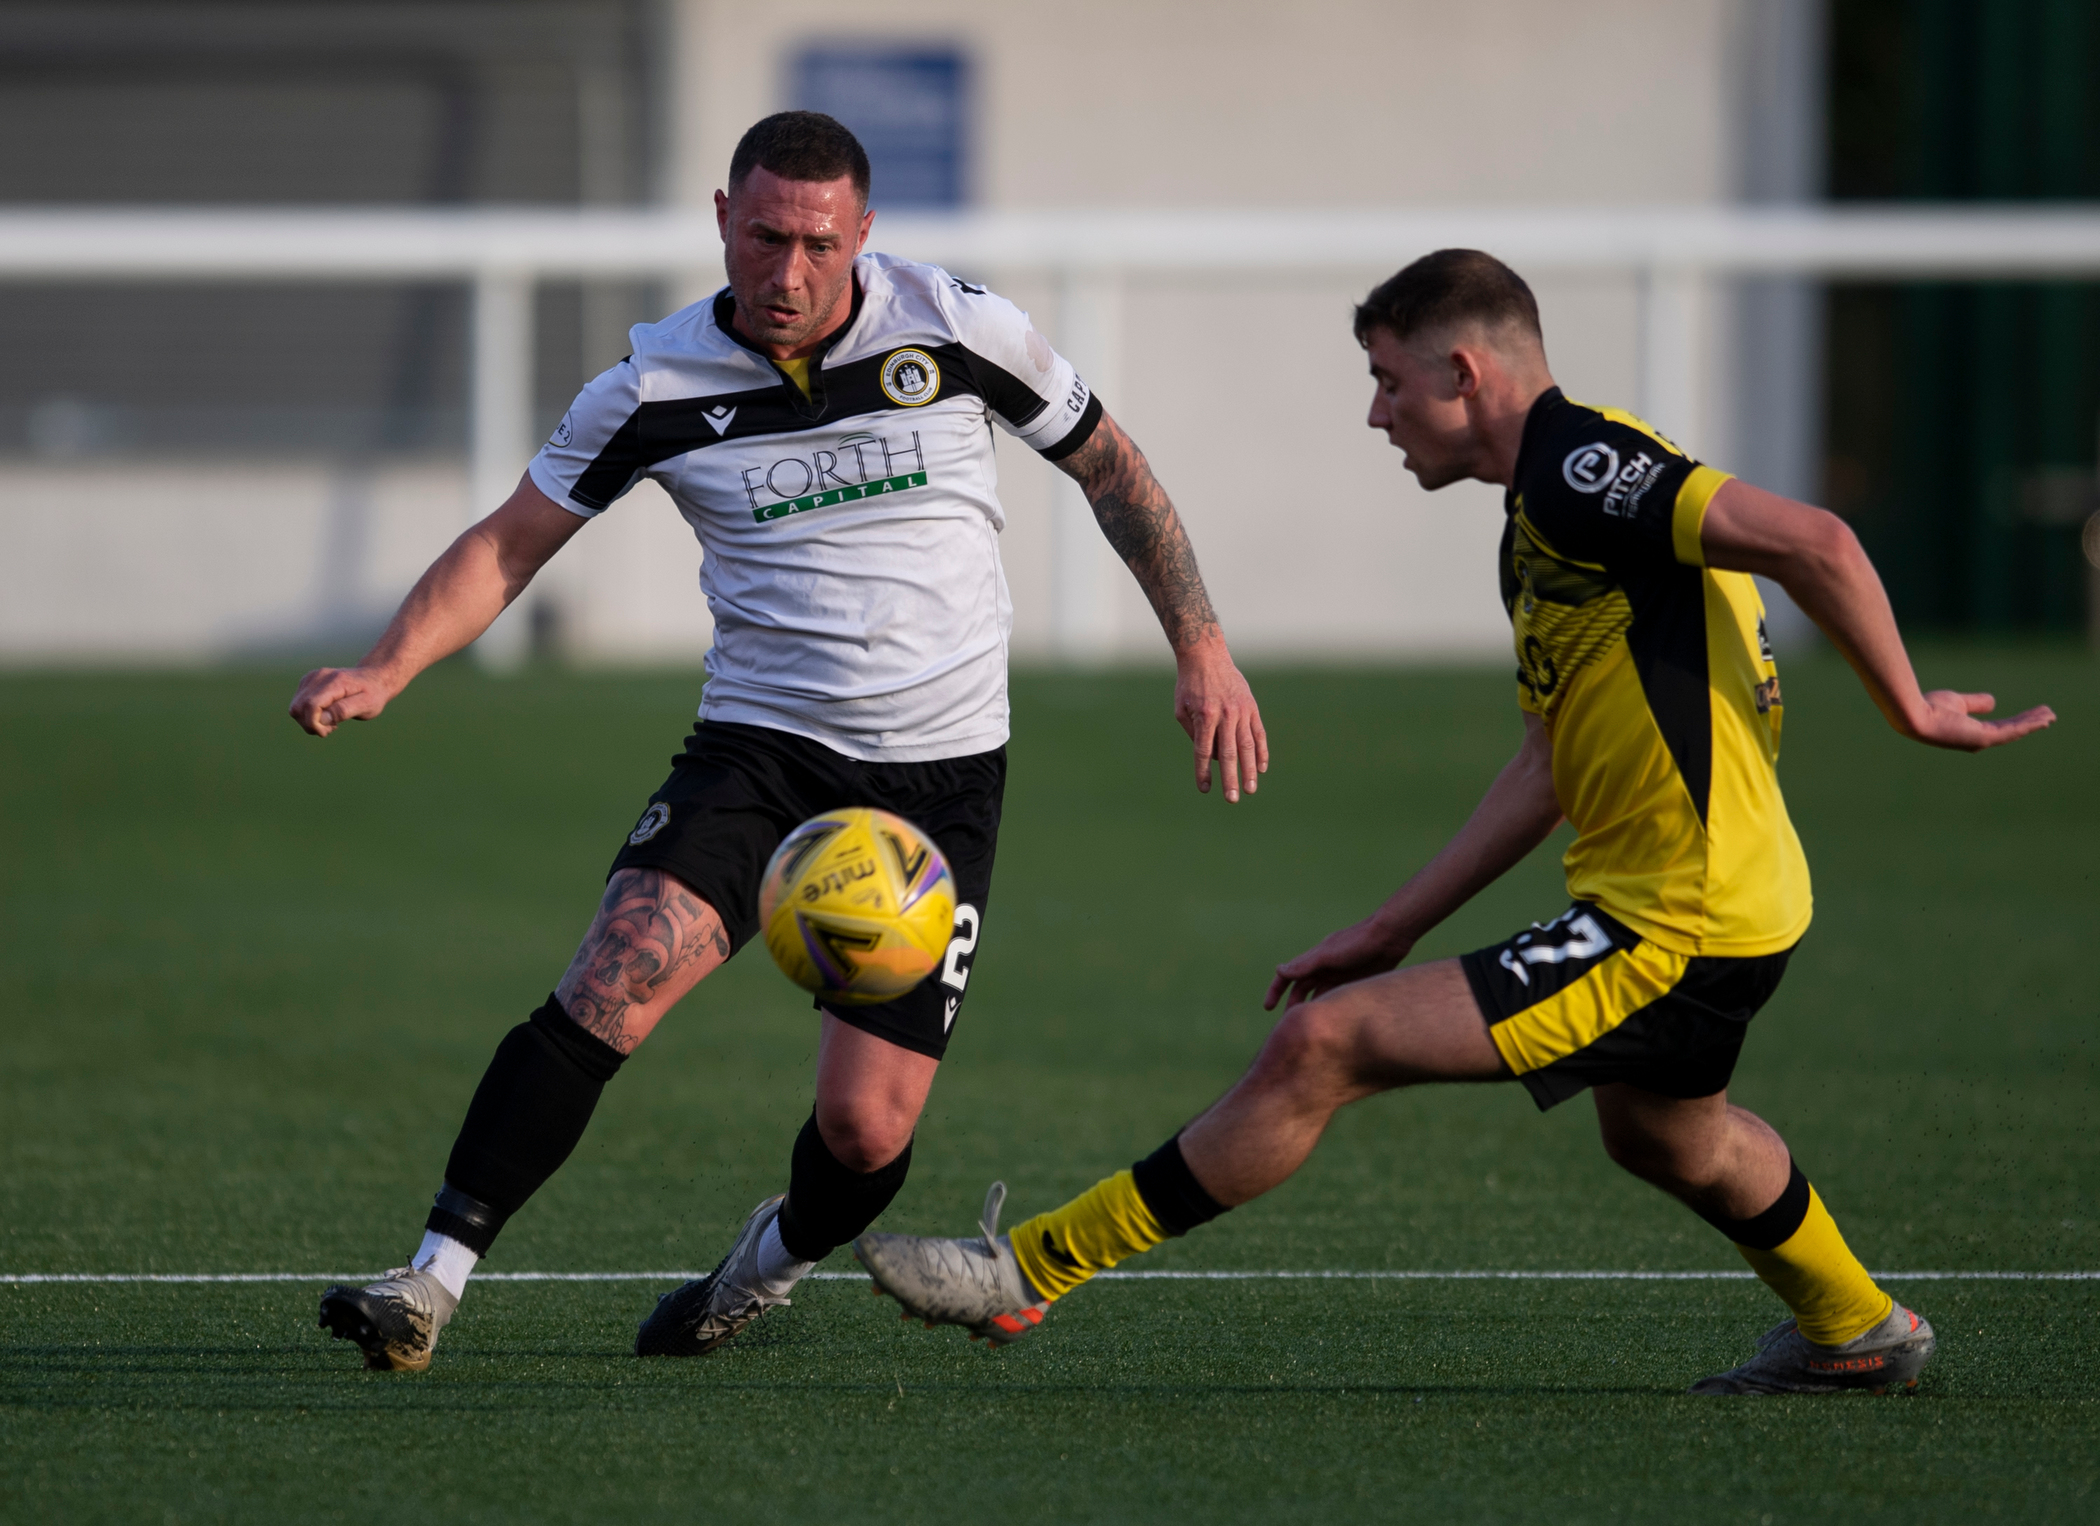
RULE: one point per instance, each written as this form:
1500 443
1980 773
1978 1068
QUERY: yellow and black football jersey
1656 684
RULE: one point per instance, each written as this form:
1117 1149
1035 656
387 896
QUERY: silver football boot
694 1319
974 1283
1891 1355
395 1321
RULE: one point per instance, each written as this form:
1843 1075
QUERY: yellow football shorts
1583 1001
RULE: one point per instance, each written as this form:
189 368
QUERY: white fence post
501 424
1090 331
1669 381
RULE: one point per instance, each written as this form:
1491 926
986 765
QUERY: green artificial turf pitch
252 979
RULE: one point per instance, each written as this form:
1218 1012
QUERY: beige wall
1248 394
1312 103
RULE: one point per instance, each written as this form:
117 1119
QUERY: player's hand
1354 953
1950 719
1217 710
328 697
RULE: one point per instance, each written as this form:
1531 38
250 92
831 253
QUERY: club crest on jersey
910 379
653 821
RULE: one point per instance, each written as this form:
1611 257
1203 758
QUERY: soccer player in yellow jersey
1652 715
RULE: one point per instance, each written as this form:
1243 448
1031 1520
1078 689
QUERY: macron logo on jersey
719 418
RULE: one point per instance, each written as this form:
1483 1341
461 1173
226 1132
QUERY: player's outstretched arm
1211 699
1518 812
451 604
1816 558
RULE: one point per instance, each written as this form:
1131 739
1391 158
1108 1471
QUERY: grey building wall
449 102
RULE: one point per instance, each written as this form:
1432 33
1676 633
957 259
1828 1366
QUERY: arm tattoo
1135 514
650 931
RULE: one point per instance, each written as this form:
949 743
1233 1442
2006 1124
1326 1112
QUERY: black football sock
1171 1191
828 1203
527 1115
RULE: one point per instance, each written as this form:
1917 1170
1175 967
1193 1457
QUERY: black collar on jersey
1534 422
660 429
811 406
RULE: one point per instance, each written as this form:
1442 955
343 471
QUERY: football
857 905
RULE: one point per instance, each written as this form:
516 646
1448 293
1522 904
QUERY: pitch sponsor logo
1590 468
910 379
1630 486
1596 469
825 477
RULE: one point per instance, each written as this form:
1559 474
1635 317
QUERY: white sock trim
445 1259
778 1268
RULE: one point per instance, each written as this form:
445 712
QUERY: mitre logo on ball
857 905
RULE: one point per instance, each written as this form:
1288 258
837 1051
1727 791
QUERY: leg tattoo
650 943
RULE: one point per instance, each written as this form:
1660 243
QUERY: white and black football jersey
850 537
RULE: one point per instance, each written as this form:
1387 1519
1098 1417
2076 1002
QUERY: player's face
789 247
1417 403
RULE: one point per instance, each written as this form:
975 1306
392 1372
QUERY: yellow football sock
1815 1272
1107 1223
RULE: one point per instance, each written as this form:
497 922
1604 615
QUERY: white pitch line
21 1278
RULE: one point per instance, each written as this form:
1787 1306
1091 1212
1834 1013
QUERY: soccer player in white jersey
823 424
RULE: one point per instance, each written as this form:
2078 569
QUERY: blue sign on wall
908 107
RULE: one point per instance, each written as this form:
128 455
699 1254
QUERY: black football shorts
1585 1001
737 790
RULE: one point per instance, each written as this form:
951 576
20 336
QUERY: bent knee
1659 1162
1630 1152
1314 1036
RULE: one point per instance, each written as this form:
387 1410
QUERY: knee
1630 1151
1315 1038
1668 1164
864 1136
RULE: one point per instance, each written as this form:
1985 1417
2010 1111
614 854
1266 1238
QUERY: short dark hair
1449 287
801 145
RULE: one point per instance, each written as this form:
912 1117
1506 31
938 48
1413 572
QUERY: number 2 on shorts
961 946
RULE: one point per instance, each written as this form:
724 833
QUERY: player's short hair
801 145
1444 290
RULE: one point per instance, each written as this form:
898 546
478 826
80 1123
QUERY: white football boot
1891 1355
395 1321
974 1283
694 1319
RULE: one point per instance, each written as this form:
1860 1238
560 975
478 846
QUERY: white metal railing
1987 240
1669 251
